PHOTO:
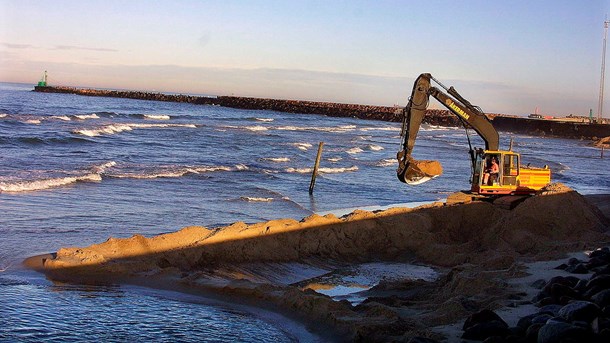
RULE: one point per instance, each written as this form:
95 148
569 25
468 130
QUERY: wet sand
478 253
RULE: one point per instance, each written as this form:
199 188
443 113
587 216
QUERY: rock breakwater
536 127
384 113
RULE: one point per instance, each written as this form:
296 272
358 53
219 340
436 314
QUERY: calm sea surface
76 170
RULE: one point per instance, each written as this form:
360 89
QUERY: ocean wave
375 147
264 119
92 174
36 185
355 150
386 162
255 199
256 128
2 115
334 159
117 128
365 129
335 129
156 116
302 146
277 159
32 121
175 171
86 116
322 170
64 118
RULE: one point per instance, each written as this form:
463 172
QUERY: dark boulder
558 291
602 299
484 330
580 310
580 268
552 309
422 340
556 332
531 334
482 317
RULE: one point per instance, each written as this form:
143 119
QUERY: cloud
17 46
74 47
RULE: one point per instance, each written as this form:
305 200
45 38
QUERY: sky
505 56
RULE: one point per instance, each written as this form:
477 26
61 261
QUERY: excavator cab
502 179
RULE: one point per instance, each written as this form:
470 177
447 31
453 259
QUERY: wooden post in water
602 152
315 168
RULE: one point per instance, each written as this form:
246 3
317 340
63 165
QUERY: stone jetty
553 128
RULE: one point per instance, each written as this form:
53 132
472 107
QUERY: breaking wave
94 174
86 116
175 171
354 150
374 147
302 146
255 199
156 116
117 128
322 170
387 162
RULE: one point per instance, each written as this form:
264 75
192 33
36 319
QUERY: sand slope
478 244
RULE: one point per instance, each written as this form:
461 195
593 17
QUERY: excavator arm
412 171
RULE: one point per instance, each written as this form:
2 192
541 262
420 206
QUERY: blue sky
505 56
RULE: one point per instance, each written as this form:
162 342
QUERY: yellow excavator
494 171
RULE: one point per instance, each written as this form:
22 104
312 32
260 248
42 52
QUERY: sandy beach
387 275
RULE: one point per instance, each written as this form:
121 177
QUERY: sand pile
437 234
478 241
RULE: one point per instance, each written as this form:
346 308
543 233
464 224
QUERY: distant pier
536 127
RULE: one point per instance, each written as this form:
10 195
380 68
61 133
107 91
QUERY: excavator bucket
417 172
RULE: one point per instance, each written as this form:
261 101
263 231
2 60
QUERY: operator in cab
492 169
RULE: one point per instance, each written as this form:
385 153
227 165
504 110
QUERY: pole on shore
315 168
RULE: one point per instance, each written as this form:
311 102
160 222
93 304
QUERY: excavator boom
412 171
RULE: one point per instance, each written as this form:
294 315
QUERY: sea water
77 170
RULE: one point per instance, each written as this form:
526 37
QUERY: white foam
157 116
302 146
86 116
365 129
2 115
256 128
355 150
173 172
322 170
264 119
334 159
375 147
64 118
387 162
117 128
32 121
35 185
102 168
339 129
255 199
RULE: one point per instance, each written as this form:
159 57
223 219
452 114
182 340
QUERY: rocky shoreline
436 117
276 264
